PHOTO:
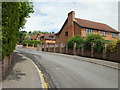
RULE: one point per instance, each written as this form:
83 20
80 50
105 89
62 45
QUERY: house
48 38
75 26
39 36
36 37
33 37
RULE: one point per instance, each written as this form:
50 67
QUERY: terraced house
75 26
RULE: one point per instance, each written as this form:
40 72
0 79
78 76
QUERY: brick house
33 37
75 26
48 38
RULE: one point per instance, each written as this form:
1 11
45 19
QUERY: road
64 72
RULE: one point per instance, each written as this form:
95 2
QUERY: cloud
50 16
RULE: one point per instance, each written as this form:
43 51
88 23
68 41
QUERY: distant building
33 37
48 38
75 26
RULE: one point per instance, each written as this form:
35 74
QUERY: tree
14 16
21 36
36 32
77 39
97 39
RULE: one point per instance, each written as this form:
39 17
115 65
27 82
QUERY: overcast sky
50 16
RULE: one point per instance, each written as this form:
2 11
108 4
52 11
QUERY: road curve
71 73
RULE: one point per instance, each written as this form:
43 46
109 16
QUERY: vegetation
77 39
37 32
31 42
112 46
97 39
13 19
21 36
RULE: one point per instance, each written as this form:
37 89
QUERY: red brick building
75 26
48 38
33 37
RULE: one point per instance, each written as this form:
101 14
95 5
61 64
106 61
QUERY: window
113 35
103 34
88 31
66 33
51 36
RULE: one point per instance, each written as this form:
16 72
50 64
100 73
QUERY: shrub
96 39
77 39
31 42
112 46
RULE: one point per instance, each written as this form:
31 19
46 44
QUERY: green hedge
97 39
31 42
13 18
112 46
77 39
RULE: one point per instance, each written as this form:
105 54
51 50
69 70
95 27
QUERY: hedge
13 18
97 39
77 39
31 42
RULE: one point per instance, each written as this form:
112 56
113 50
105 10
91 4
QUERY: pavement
23 74
68 71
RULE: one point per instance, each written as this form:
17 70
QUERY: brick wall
109 56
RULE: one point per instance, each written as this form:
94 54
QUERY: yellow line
44 84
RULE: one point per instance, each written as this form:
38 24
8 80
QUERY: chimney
71 17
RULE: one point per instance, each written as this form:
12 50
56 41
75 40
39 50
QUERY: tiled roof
49 36
94 25
33 36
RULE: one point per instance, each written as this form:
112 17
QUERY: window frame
66 33
88 30
113 35
103 33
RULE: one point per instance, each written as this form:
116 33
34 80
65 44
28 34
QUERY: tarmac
106 63
24 74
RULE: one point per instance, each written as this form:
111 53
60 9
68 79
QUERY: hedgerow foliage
112 46
31 42
97 39
77 39
13 18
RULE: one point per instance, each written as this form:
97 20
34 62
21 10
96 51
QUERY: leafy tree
14 16
77 39
112 46
97 39
21 36
36 32
27 37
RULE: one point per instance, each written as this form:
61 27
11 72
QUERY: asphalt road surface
64 72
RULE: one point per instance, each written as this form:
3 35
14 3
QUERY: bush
96 39
112 46
77 39
31 42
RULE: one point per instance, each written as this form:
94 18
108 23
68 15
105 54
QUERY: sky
51 15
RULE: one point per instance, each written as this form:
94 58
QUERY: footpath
23 74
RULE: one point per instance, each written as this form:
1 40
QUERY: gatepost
83 46
92 49
104 51
74 48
